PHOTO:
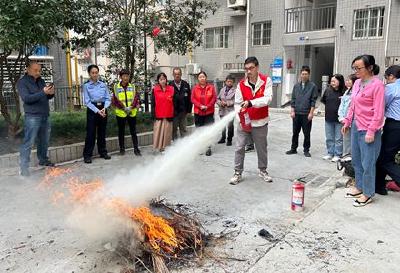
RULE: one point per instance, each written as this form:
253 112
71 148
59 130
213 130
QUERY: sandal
358 203
352 195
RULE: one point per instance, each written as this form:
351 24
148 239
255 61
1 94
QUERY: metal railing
309 19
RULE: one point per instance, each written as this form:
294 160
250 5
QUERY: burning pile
165 235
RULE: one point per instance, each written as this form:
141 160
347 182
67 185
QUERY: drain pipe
387 29
247 28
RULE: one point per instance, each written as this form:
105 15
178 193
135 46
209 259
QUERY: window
368 23
262 33
218 37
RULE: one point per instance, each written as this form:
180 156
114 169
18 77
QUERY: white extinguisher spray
298 195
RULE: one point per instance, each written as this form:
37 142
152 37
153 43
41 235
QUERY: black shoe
208 153
137 152
221 141
47 163
25 172
291 152
381 191
106 156
249 148
229 143
307 154
87 160
122 151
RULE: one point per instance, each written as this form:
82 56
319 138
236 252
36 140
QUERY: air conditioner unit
193 68
233 4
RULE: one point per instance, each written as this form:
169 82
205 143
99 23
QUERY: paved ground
329 236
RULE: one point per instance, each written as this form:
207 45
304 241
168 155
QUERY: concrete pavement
329 236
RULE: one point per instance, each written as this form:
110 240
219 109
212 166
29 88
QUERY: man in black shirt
304 97
182 103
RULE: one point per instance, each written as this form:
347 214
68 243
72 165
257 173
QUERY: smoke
166 171
139 185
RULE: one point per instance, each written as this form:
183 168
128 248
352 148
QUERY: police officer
97 99
126 102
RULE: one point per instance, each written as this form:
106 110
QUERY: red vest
205 96
164 101
247 94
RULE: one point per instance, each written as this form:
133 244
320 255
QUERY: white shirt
257 102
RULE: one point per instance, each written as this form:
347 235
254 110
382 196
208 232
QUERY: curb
67 153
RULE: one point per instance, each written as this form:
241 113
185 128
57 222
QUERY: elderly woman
365 117
203 99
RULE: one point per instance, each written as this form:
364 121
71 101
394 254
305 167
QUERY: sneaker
307 154
264 175
291 152
24 172
236 178
221 141
209 153
47 163
229 143
106 157
137 152
335 159
392 186
327 157
249 148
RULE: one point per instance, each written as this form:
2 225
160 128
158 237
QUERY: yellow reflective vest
126 97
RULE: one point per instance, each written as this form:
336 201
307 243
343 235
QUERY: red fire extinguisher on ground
297 196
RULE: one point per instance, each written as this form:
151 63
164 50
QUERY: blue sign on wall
276 69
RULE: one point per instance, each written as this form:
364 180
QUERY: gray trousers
179 122
258 135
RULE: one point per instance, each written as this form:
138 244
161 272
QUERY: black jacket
36 102
304 99
331 99
182 98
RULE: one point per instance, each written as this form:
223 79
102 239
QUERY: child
344 108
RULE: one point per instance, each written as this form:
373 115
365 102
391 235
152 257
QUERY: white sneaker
335 159
264 175
236 178
327 157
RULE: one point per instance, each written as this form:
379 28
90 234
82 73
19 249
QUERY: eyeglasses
357 68
249 68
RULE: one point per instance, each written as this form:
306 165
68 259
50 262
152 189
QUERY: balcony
302 19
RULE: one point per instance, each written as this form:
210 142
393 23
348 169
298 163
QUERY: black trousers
230 131
301 122
95 124
121 131
386 164
203 120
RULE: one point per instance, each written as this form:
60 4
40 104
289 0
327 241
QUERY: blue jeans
35 128
363 157
334 138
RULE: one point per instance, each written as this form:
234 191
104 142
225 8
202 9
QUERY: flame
158 232
51 175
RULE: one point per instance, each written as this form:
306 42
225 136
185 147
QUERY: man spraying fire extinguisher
252 97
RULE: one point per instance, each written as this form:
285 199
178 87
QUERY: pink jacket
367 106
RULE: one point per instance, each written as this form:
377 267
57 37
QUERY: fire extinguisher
298 189
245 121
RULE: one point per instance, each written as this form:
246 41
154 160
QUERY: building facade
324 34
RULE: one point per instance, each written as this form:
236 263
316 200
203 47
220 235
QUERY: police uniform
123 98
96 97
